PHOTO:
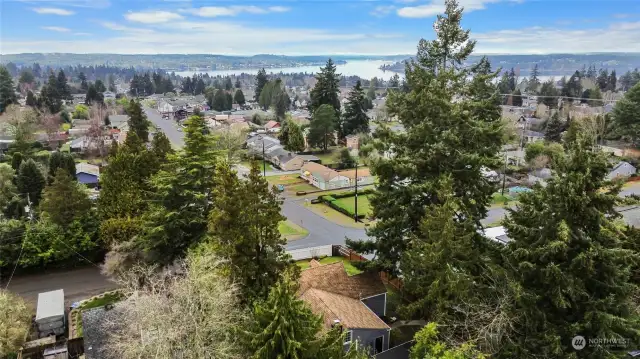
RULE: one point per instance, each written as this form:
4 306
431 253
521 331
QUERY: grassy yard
331 156
301 187
499 199
350 268
291 231
349 204
260 164
334 216
284 179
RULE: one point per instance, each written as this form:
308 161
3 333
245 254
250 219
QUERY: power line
16 265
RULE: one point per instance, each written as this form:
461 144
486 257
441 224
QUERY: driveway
169 127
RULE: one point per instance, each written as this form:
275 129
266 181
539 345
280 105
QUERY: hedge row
330 200
346 194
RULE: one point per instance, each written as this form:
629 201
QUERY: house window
347 337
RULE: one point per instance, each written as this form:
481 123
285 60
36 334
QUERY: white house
323 177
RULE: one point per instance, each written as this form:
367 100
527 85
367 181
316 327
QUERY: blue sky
311 27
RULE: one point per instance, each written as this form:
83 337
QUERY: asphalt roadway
169 127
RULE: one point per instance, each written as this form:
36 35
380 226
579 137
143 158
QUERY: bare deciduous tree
230 141
15 321
190 311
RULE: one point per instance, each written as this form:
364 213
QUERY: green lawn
349 204
260 163
302 187
284 179
500 199
331 156
350 268
291 230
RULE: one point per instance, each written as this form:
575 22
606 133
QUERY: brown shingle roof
352 173
333 278
320 171
351 313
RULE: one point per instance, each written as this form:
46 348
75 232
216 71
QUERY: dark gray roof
530 133
97 323
398 352
118 120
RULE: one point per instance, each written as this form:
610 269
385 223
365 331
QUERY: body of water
366 69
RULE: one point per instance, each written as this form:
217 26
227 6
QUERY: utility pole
29 208
504 172
356 194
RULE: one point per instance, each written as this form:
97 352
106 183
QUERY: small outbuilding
50 314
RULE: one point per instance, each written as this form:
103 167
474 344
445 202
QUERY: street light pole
264 164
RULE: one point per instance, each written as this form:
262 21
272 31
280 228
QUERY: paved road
167 126
77 284
321 231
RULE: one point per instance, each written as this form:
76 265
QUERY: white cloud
620 37
231 37
382 10
53 11
94 4
82 34
216 11
152 17
436 7
55 28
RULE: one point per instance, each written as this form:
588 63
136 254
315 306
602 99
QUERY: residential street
167 126
78 284
321 231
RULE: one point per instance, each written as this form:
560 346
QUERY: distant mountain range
183 62
551 65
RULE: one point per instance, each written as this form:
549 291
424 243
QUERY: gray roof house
622 170
539 176
118 121
356 303
97 323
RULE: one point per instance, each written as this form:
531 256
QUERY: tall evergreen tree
125 189
228 85
285 327
31 99
327 89
63 88
238 84
444 137
199 87
160 146
296 139
548 94
613 80
534 81
7 93
626 115
243 226
100 87
355 119
568 260
321 129
138 122
177 219
261 80
603 79
219 101
238 97
555 127
65 200
30 181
